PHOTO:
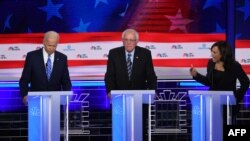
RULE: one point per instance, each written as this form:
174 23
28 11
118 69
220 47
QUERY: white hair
130 31
51 34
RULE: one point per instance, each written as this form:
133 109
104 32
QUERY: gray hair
51 34
131 31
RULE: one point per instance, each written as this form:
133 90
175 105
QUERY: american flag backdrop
178 32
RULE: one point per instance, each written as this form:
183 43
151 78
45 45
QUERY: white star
98 1
82 26
212 3
245 9
7 22
178 22
52 10
123 13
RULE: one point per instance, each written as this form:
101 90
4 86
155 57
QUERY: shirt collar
132 53
46 54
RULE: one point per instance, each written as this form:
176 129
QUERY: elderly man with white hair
45 69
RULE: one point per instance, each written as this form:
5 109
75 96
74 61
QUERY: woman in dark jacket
223 72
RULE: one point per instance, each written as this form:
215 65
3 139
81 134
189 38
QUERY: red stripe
198 63
180 62
162 37
246 68
11 64
86 62
87 75
110 36
157 63
242 43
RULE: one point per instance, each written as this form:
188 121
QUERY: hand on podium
25 102
109 96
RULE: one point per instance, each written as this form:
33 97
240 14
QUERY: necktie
129 65
48 67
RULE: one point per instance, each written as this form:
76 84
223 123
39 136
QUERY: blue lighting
35 115
10 99
74 83
191 84
88 83
9 84
118 119
198 118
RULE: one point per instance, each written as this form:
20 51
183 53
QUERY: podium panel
127 114
44 115
207 113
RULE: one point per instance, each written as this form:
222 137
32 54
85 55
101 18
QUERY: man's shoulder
61 54
35 52
142 49
116 50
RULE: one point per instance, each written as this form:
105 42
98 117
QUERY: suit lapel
122 56
54 65
41 64
135 62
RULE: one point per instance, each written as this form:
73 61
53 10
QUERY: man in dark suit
130 67
142 75
45 69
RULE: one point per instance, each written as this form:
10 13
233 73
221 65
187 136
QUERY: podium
207 113
44 115
127 114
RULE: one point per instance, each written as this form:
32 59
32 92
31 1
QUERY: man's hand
25 101
109 96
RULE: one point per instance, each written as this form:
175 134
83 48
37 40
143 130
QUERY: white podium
207 113
127 114
44 115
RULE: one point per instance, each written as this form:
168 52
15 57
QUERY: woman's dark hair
226 53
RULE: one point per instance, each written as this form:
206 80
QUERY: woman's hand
193 71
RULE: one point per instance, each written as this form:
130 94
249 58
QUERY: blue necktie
129 65
48 67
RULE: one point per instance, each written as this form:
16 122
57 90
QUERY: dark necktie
48 67
129 65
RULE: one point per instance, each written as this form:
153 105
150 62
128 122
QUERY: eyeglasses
129 40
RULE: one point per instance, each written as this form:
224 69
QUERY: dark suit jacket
143 74
228 81
34 73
